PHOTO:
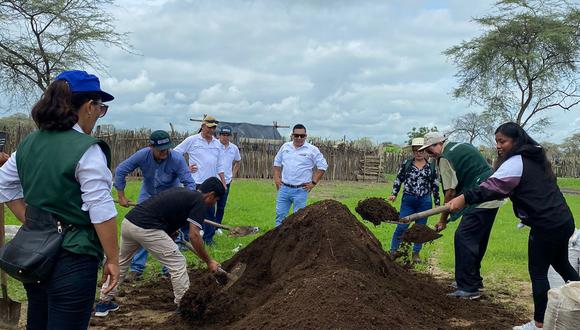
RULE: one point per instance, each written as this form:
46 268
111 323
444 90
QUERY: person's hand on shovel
391 198
213 266
456 203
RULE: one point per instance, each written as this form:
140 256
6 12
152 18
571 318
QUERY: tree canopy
524 63
40 38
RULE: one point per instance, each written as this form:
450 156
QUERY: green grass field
252 202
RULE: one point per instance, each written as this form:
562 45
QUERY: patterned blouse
418 182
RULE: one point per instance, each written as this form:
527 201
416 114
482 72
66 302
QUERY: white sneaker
528 326
219 231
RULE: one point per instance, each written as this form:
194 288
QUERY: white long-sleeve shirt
91 172
231 155
297 163
207 156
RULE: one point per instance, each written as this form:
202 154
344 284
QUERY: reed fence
346 162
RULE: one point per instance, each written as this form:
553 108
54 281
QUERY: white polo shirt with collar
297 163
208 156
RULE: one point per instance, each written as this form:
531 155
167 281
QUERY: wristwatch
314 182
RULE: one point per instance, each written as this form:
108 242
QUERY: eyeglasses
299 136
103 107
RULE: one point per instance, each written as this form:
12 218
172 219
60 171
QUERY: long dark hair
58 108
525 146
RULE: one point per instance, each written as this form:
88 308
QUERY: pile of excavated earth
322 268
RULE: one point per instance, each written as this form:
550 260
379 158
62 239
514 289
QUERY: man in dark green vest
462 167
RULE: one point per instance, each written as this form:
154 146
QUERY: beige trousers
160 246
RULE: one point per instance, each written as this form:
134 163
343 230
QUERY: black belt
293 186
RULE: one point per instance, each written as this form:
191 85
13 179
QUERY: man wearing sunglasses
293 172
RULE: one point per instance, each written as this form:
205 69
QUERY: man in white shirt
232 160
205 156
293 172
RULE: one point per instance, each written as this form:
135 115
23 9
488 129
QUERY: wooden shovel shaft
218 225
424 214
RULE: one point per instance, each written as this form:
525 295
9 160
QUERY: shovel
235 231
9 309
412 217
232 276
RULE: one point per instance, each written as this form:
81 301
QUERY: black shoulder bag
31 255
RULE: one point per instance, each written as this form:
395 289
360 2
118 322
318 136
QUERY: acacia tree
525 62
40 38
473 126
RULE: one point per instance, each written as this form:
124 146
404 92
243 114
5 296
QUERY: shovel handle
215 224
424 214
3 277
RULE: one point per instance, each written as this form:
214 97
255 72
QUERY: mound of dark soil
323 269
420 234
376 209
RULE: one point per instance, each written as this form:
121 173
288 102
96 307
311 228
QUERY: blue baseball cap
225 130
82 82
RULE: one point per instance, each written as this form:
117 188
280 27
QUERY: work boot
416 258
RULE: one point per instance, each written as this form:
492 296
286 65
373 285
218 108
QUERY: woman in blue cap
62 170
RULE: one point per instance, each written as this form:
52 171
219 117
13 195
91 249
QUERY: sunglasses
103 107
300 136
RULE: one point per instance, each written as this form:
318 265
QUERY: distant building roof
252 131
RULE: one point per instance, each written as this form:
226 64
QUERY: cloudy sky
343 68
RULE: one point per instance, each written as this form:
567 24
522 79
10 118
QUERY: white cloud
356 68
139 84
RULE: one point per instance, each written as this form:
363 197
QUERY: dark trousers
471 238
221 205
65 301
545 248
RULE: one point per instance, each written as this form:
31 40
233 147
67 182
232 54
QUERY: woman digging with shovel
524 174
421 182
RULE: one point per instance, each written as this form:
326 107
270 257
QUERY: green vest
46 162
470 168
469 165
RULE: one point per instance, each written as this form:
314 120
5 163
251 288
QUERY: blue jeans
221 205
286 197
410 204
65 301
139 261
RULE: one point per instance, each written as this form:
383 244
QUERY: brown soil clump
377 209
420 234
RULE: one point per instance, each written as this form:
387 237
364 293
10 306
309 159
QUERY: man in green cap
162 169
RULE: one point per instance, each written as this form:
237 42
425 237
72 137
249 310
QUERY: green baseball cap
160 140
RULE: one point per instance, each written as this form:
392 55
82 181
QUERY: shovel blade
9 314
240 231
232 276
